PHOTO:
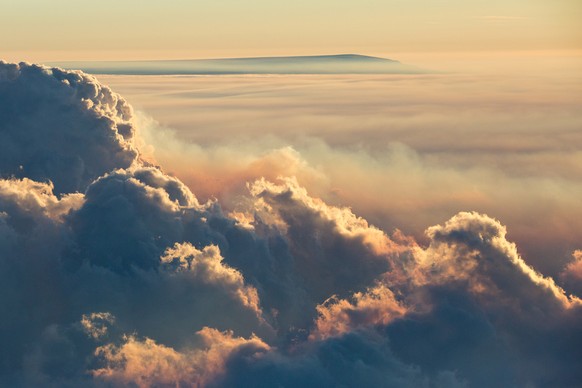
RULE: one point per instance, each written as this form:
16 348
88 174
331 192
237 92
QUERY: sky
38 30
292 230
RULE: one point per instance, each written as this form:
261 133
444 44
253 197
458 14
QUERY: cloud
96 324
473 248
33 233
144 218
134 281
572 274
401 152
477 299
146 363
91 134
355 359
206 267
574 268
335 251
221 359
377 306
35 200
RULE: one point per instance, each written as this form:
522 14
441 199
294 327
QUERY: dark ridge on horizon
342 57
315 64
319 57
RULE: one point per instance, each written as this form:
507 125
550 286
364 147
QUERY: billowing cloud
113 273
403 152
146 363
91 134
96 324
206 266
572 274
335 251
477 299
472 248
35 200
575 267
377 306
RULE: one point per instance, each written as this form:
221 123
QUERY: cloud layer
402 151
113 273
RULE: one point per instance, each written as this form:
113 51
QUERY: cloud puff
32 235
377 306
575 267
96 324
146 363
572 274
206 267
61 126
476 299
140 208
473 248
35 200
334 251
220 359
106 287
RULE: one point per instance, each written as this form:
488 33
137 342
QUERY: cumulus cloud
220 359
35 200
572 274
402 152
146 363
335 251
90 134
477 299
473 248
377 306
113 273
574 268
33 233
144 219
206 266
96 324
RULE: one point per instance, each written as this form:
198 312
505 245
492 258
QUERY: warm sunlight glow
373 193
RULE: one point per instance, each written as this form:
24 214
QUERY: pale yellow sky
40 30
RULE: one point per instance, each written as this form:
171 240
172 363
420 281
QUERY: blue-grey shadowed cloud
37 143
323 64
119 276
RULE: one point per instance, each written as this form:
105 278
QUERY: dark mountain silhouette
320 64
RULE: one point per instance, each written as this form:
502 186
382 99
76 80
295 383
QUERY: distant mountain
320 64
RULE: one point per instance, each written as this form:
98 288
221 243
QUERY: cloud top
62 126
